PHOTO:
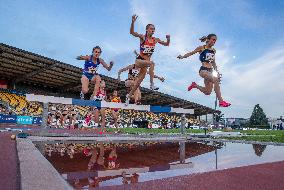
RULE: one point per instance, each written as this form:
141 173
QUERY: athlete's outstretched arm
83 57
108 67
165 43
136 53
198 49
124 69
132 32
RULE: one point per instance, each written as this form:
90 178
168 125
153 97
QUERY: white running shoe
82 95
152 87
127 100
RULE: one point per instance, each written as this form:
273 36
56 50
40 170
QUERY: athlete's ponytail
208 37
203 38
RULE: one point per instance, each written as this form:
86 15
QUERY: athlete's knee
85 90
215 79
97 80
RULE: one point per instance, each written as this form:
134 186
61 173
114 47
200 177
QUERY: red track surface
258 177
9 169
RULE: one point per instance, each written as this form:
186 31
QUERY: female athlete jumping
90 70
133 73
207 58
143 61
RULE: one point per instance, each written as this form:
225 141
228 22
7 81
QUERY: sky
250 45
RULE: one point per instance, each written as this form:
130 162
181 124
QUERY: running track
268 176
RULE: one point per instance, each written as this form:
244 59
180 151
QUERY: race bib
148 49
100 97
92 70
210 57
135 72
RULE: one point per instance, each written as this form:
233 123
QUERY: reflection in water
104 164
218 145
62 149
130 178
258 149
88 165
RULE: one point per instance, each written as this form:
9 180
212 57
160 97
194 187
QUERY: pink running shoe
224 104
193 85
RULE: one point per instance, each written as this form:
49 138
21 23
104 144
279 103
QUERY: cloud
256 82
62 35
243 84
179 23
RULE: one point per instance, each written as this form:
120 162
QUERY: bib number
100 97
148 49
135 73
210 57
92 70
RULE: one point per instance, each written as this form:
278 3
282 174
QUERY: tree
258 117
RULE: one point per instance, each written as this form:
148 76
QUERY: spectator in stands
73 118
90 70
2 109
65 118
115 111
101 96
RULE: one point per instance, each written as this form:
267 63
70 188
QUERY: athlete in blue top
90 70
207 58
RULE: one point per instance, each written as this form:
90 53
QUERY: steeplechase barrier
103 104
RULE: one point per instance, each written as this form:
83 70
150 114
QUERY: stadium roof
20 66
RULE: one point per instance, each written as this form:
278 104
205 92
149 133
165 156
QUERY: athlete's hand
168 37
162 79
79 57
219 75
180 57
111 64
134 17
136 53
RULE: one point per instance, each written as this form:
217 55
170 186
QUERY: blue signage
37 120
8 118
26 120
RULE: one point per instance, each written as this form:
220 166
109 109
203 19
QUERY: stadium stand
18 103
64 116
